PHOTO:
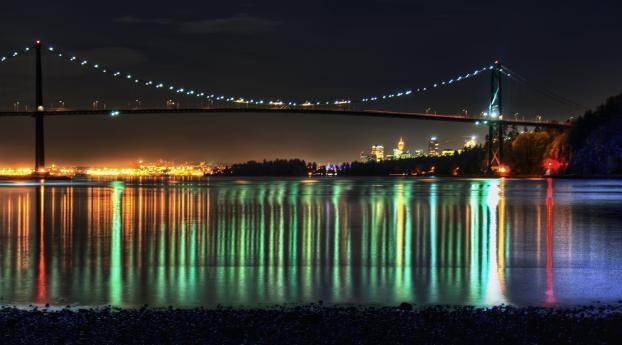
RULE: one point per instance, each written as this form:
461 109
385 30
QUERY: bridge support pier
501 132
489 147
39 109
495 152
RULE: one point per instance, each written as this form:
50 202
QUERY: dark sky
298 50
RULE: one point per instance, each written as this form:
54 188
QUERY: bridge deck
338 112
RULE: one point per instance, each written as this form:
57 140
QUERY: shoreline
199 178
315 323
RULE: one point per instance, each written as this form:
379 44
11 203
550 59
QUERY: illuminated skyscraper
377 152
397 152
433 149
400 152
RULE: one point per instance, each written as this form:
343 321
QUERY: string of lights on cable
190 92
15 54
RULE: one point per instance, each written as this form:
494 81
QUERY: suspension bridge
493 119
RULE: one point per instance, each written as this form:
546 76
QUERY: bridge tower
39 109
495 113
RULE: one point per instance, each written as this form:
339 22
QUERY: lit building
365 157
419 153
448 152
400 152
471 142
377 153
433 149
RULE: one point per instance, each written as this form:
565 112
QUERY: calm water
266 241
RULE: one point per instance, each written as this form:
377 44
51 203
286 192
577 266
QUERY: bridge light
115 113
38 41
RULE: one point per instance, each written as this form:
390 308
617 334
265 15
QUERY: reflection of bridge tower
495 111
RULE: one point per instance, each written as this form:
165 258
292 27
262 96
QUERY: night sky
294 50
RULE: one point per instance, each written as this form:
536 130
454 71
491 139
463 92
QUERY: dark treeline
597 141
469 162
278 167
592 148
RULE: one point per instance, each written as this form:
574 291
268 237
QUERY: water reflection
259 241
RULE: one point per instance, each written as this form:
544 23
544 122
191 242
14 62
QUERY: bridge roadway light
115 113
